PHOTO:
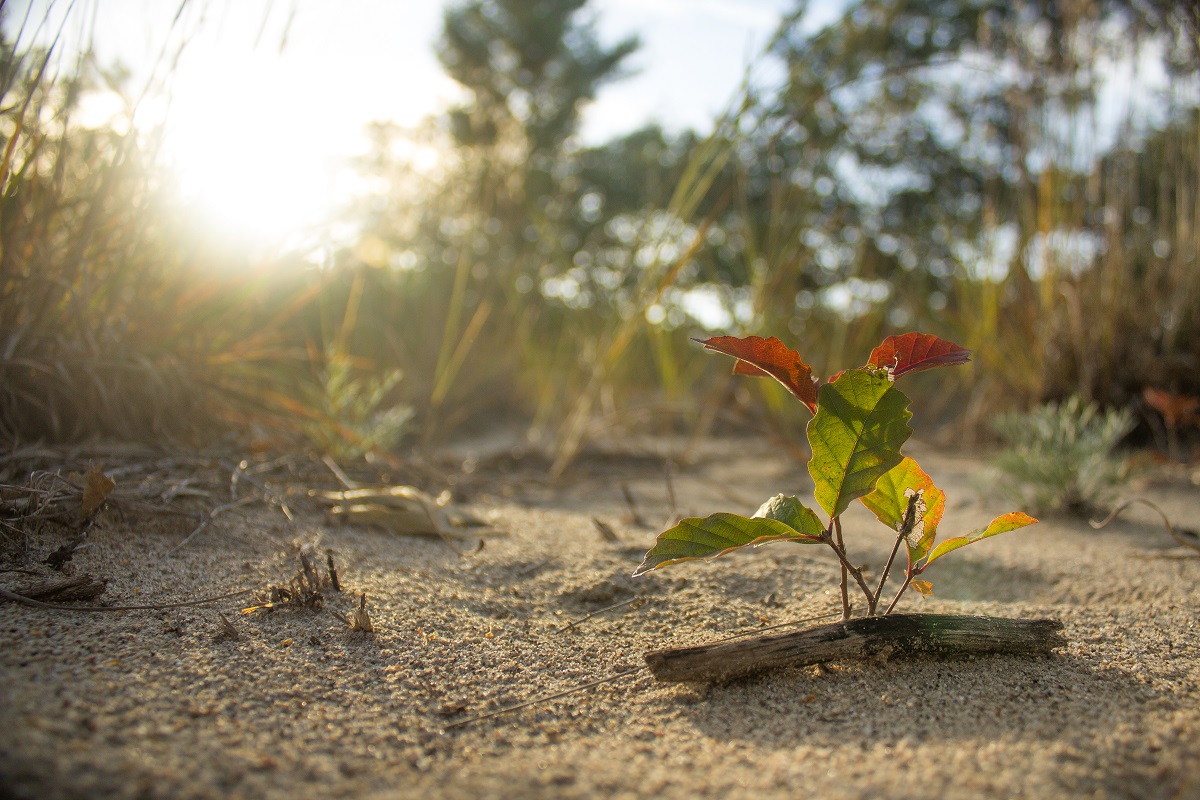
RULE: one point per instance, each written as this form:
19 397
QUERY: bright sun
264 106
262 189
251 160
262 138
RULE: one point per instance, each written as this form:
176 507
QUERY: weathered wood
865 638
60 588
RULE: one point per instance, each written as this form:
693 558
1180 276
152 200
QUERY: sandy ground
148 704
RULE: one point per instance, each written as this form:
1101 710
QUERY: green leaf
791 512
889 503
1002 524
856 435
716 535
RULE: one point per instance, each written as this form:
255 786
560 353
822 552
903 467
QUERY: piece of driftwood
865 638
61 588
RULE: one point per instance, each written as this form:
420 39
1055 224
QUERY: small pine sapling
860 421
1062 456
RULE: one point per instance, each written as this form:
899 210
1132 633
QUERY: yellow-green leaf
1002 524
716 535
890 499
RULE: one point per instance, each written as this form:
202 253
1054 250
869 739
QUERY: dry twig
27 601
1184 538
862 638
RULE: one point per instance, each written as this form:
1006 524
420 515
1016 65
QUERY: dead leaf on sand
96 488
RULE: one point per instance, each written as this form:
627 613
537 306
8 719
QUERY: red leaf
914 352
1176 409
758 356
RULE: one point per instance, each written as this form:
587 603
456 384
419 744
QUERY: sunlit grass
119 318
124 312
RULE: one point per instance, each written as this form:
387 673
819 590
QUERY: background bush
949 167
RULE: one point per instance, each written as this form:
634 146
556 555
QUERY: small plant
356 416
860 421
1060 455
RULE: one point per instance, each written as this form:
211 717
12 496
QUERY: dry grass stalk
306 589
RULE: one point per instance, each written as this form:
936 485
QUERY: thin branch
1178 536
911 523
840 549
907 580
920 635
28 601
835 543
887 568
630 602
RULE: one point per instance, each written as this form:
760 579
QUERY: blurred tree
528 67
483 246
965 165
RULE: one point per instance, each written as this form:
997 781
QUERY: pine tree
528 68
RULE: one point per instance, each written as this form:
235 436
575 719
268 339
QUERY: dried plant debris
359 619
96 489
59 588
67 482
58 558
306 589
228 631
400 509
65 485
605 530
48 497
333 576
69 503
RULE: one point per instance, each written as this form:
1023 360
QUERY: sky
270 98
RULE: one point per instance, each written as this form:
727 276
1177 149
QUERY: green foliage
358 415
1061 456
856 435
495 281
722 533
860 423
892 502
791 512
528 66
1002 524
516 254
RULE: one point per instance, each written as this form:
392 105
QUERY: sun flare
263 196
251 162
262 140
